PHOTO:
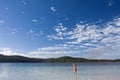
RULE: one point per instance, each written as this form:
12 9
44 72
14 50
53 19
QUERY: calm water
59 71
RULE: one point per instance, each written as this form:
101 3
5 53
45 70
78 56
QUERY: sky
55 28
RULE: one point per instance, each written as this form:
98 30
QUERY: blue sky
54 28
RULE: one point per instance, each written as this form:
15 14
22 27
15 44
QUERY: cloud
66 19
103 52
22 12
117 21
14 30
79 34
83 40
6 8
111 2
54 51
24 2
2 22
8 51
101 41
34 34
60 29
34 20
52 9
55 37
39 21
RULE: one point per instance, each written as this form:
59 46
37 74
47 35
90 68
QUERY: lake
59 71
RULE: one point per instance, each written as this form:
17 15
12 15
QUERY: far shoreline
64 59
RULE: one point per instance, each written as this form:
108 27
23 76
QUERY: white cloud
13 30
117 22
52 9
35 21
55 51
24 2
79 34
55 37
61 32
2 22
60 28
92 38
82 33
34 34
6 8
66 19
8 51
88 44
95 41
22 12
29 32
111 2
103 52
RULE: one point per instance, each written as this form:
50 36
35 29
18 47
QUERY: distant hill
66 59
17 58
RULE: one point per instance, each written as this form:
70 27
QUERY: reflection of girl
75 70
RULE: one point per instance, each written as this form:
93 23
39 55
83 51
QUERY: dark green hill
17 58
67 59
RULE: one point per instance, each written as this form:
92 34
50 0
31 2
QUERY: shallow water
59 71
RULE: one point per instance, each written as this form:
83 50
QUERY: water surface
59 71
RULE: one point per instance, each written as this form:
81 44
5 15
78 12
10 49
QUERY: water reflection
31 71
